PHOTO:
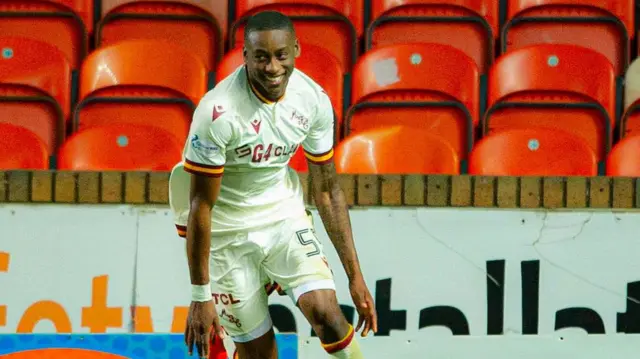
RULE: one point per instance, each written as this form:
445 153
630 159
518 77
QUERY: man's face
270 58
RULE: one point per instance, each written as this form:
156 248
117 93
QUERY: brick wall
410 190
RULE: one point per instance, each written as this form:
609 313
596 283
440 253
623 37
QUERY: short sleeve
179 200
210 134
318 146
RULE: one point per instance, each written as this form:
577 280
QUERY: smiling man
248 228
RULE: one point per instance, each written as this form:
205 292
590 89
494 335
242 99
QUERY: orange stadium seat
121 147
433 87
21 149
533 152
188 23
332 24
557 86
314 61
606 26
65 24
396 150
35 88
141 81
469 25
624 159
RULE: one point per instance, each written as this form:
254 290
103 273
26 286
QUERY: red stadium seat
141 81
35 88
21 149
332 24
396 150
603 26
314 61
187 23
299 161
533 152
122 147
469 25
556 86
432 87
624 159
64 24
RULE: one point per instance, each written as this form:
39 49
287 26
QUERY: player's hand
367 317
202 319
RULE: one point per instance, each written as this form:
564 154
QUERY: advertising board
447 282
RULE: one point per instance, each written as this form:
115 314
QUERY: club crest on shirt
203 147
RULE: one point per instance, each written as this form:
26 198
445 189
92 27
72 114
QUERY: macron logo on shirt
218 110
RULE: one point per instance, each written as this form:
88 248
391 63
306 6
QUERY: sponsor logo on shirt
204 147
300 120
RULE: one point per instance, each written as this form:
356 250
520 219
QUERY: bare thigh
261 348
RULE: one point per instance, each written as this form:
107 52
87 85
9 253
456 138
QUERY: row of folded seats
344 28
136 98
442 75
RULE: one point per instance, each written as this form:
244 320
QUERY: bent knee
324 315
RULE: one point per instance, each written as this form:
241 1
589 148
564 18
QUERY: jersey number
306 237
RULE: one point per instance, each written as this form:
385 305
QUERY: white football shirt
238 133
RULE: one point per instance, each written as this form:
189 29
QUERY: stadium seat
533 152
299 161
187 23
140 81
121 147
603 26
629 124
396 150
65 24
35 88
433 87
469 25
316 62
624 159
557 86
21 149
332 24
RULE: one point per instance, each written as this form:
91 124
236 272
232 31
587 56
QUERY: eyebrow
277 50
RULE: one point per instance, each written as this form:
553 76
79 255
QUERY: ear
298 48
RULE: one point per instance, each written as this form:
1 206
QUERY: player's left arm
334 211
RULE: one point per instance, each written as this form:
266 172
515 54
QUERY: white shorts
243 264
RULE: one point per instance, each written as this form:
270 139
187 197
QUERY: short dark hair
268 20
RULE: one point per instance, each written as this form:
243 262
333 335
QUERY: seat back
557 86
469 25
121 147
315 62
186 23
219 9
603 26
331 24
624 159
396 150
141 81
64 24
21 149
533 152
433 87
35 88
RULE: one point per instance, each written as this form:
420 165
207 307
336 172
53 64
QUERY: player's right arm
204 159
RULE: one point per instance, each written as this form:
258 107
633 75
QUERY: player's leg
323 313
238 286
298 264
